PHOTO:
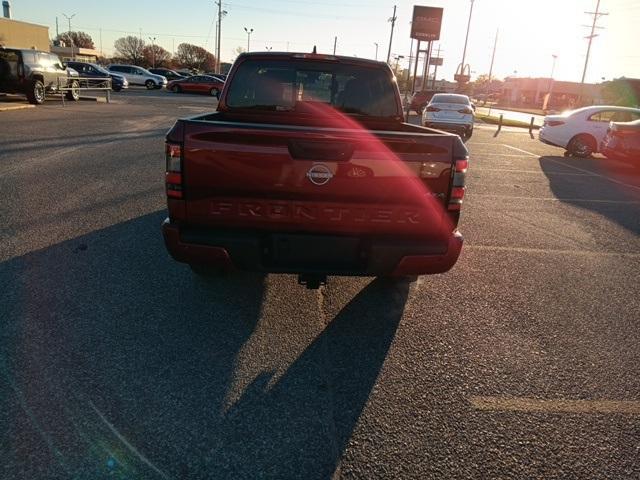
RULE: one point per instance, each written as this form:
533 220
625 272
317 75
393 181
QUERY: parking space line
535 405
520 150
556 199
557 251
577 168
124 441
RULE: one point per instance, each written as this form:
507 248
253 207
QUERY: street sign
437 61
426 23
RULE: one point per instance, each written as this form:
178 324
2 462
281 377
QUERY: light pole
553 67
153 51
376 50
466 39
69 32
398 57
249 32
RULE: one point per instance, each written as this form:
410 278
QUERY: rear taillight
433 109
458 185
554 123
466 110
173 175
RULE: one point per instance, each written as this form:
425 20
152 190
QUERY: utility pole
57 31
101 52
393 24
218 32
153 51
493 56
335 42
249 32
596 15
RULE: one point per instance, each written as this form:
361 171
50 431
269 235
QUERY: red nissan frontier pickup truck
307 167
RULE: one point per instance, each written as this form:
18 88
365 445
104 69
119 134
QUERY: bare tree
195 57
156 55
131 49
76 39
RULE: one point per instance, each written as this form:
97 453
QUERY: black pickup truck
307 167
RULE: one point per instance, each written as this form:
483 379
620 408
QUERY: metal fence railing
80 84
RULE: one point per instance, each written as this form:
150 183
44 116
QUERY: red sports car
197 84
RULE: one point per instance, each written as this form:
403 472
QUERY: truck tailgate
321 180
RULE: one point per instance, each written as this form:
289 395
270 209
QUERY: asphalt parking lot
116 362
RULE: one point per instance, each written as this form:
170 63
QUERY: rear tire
176 89
582 146
75 93
214 92
150 84
36 93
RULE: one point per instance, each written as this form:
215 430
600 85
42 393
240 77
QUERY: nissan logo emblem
319 174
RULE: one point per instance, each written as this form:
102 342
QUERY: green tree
621 92
481 84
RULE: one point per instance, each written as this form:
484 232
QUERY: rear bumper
254 252
448 126
544 137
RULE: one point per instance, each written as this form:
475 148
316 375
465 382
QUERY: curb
505 123
15 107
93 99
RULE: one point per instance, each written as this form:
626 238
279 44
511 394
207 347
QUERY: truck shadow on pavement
117 362
624 200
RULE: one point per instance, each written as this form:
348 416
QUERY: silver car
450 112
139 76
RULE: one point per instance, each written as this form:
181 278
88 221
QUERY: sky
530 31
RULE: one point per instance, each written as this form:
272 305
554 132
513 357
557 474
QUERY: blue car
91 70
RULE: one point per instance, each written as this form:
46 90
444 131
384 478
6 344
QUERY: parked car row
197 84
35 73
92 70
610 130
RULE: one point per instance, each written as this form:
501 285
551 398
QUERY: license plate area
314 252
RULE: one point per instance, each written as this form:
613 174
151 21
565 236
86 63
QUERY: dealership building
17 34
531 92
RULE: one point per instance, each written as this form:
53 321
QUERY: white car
139 76
450 112
581 131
